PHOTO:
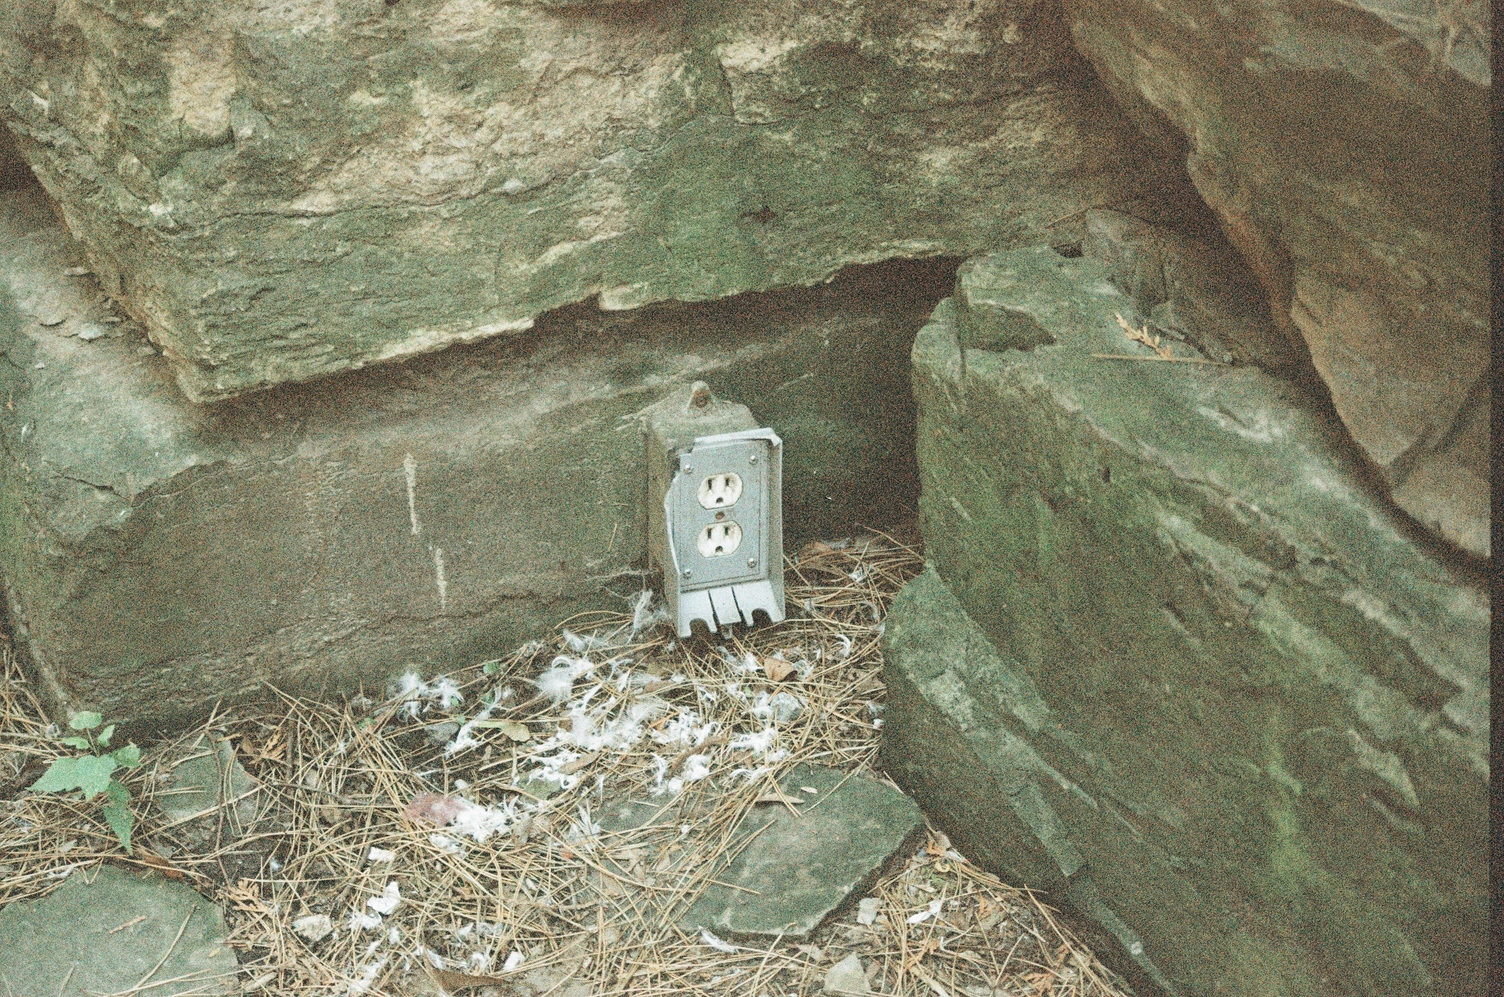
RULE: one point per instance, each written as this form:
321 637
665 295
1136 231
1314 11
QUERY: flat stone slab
104 931
1179 663
805 866
160 556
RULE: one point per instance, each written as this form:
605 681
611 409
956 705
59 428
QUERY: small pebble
90 332
847 977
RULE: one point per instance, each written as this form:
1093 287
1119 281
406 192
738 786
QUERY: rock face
284 192
1345 148
160 556
1173 662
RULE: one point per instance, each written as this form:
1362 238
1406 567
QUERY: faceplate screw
687 572
752 459
751 562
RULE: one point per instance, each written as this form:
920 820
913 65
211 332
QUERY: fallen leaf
451 980
777 669
580 763
433 808
159 863
511 728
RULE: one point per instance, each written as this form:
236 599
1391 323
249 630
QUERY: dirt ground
440 835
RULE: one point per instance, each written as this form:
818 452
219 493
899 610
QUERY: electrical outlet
719 538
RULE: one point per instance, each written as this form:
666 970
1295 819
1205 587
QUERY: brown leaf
159 863
511 728
433 808
451 980
580 763
777 669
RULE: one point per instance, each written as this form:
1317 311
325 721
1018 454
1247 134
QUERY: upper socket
720 490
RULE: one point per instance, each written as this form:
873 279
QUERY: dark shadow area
14 172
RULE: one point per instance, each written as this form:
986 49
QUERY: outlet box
715 510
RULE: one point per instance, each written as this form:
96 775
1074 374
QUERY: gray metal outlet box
715 510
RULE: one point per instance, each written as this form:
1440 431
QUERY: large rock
110 931
160 556
280 192
1345 147
1177 663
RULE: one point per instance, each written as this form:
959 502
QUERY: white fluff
360 921
367 977
391 896
716 943
557 683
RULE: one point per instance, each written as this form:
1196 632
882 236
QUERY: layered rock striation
1344 147
1175 662
162 556
283 192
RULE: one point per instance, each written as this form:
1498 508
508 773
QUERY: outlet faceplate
724 519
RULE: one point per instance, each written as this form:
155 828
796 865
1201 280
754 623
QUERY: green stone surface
802 867
105 930
283 193
1225 680
162 556
209 777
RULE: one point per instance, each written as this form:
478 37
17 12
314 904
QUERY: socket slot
720 491
719 540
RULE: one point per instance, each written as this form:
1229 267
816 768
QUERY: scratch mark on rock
438 577
410 466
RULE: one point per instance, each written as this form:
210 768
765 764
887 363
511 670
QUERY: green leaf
490 667
82 743
105 735
84 720
117 813
59 777
87 772
128 756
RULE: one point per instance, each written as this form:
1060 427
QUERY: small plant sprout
93 771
